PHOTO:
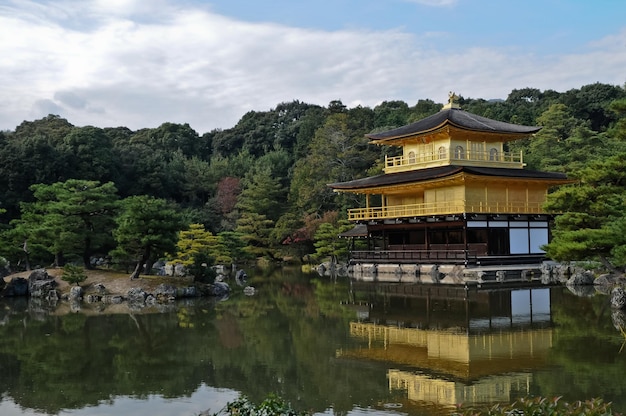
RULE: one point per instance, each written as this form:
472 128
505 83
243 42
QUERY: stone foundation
452 274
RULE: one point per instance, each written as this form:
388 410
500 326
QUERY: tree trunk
87 261
86 254
135 274
608 264
26 261
149 262
140 264
58 259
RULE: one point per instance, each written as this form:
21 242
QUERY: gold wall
495 389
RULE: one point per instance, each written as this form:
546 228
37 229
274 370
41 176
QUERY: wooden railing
400 256
420 160
443 208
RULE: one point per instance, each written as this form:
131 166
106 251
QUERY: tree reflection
285 340
586 351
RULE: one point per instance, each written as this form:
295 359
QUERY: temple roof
455 117
420 175
359 230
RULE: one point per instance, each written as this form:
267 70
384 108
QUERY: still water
326 346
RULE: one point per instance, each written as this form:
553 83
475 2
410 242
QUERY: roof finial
452 97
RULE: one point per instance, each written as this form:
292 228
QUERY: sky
141 63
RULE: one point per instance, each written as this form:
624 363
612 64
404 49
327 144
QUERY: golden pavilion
454 196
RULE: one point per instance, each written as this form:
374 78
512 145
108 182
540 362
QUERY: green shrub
272 406
73 274
541 406
534 406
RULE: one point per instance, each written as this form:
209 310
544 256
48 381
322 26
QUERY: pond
327 346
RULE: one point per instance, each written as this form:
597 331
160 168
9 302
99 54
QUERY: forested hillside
258 188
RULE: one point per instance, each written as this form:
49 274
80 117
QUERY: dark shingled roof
456 117
359 230
442 172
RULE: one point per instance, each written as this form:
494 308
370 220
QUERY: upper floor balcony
458 156
444 208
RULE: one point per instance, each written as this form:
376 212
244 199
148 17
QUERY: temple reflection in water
444 346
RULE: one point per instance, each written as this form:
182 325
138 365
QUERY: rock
331 269
342 270
219 269
581 278
561 272
93 298
606 282
180 270
249 291
546 279
618 316
40 283
5 270
241 277
76 293
618 298
114 299
526 275
584 291
52 296
434 274
136 296
165 293
100 289
187 292
476 276
75 306
370 270
220 289
39 274
547 269
17 286
41 288
159 268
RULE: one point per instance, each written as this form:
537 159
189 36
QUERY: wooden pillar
508 202
383 199
465 243
485 208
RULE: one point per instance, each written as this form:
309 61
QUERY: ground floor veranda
468 239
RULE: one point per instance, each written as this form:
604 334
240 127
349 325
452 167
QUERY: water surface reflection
332 347
451 345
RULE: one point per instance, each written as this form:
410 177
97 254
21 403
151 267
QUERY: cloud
70 99
47 107
122 63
